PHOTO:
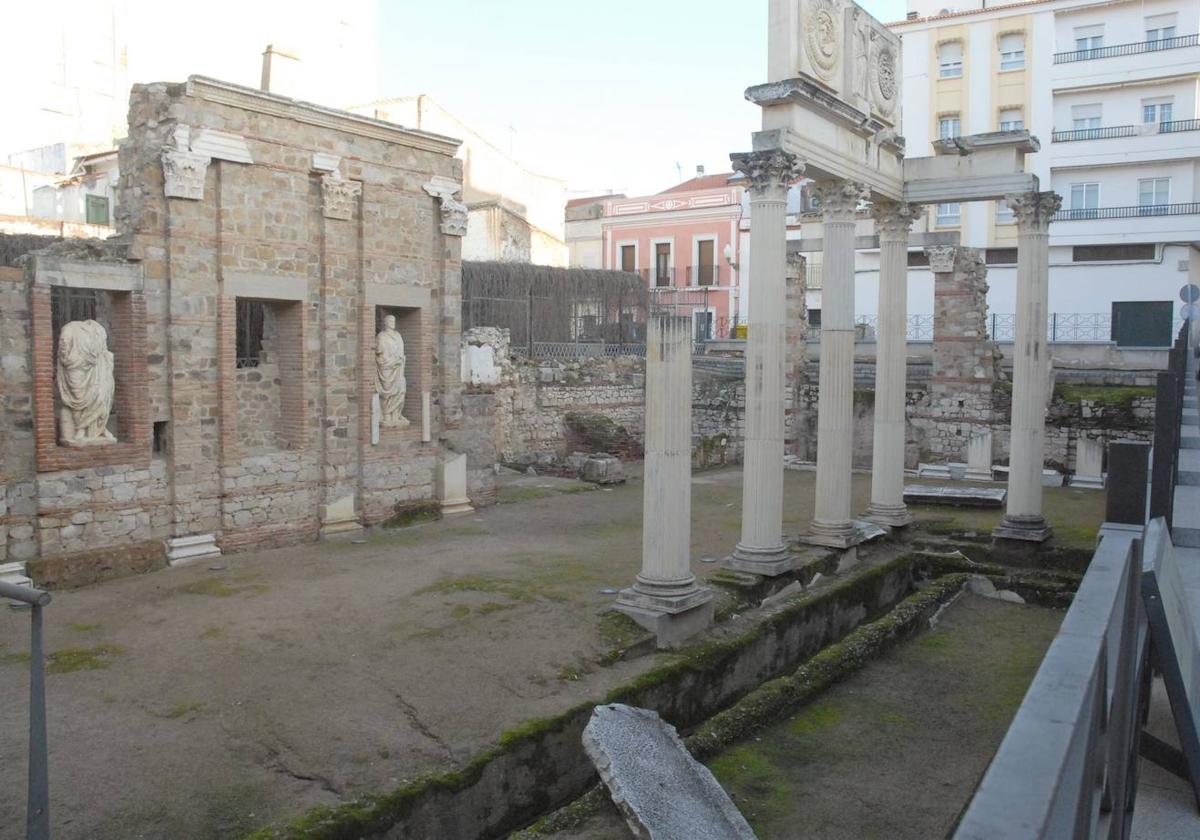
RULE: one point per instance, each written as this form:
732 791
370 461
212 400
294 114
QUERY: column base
453 506
1087 482
340 517
1027 528
892 516
672 619
977 475
832 535
771 562
184 550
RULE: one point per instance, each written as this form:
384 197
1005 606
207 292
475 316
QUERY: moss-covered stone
410 513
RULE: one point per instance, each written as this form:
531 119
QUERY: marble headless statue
389 374
85 384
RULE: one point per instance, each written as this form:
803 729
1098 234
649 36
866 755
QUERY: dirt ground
894 752
204 702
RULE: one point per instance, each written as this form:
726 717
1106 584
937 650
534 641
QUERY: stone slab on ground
985 497
663 793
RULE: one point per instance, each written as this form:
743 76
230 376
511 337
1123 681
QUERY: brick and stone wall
227 194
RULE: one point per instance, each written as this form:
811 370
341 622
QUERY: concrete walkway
1165 808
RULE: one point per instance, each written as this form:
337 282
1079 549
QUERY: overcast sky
608 96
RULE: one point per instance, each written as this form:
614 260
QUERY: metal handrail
37 809
1091 213
1173 126
1105 133
1133 48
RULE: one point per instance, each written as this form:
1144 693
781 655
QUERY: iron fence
1093 133
1127 49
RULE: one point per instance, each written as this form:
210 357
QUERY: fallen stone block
602 469
982 497
661 791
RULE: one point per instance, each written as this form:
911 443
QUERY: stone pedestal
1089 463
892 221
340 517
761 549
452 485
665 598
979 456
833 525
1031 369
189 549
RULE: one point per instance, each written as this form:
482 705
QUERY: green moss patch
69 660
182 710
219 588
410 513
1121 396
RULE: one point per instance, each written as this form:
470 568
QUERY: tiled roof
703 182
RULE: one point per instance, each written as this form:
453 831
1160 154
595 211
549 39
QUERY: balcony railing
1178 125
668 277
1089 214
1127 49
1093 133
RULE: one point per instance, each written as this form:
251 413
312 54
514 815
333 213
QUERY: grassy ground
204 702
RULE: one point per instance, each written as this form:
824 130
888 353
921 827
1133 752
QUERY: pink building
684 242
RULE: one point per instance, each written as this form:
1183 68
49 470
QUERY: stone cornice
839 199
809 94
1034 210
767 169
226 93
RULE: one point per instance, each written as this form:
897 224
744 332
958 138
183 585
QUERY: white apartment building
1111 91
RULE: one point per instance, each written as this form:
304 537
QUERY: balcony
1109 132
1106 133
676 277
1134 48
1135 212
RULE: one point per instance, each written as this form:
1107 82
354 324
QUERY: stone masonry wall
322 214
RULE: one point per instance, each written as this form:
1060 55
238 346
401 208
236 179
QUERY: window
1112 253
949 126
1157 110
1159 28
949 214
1004 214
251 315
1012 119
662 264
1000 256
1085 117
629 258
950 60
917 259
1089 37
706 263
1085 199
1153 194
159 442
95 209
1012 51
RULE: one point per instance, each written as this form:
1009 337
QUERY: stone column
833 524
892 223
761 549
665 597
1031 368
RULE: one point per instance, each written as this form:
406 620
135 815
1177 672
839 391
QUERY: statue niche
85 384
390 383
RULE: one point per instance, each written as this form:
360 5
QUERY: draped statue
85 384
389 374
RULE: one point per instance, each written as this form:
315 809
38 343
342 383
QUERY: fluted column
892 223
761 549
666 586
833 524
1031 368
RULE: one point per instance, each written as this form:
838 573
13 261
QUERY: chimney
912 15
700 171
280 71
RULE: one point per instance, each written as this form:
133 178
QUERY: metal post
1128 468
1166 429
37 814
1054 326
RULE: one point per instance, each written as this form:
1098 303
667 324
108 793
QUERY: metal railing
37 813
1127 49
676 277
1178 125
1068 765
1093 133
1126 212
584 350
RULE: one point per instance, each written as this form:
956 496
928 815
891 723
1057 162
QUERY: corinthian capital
767 170
840 199
941 258
894 218
1034 209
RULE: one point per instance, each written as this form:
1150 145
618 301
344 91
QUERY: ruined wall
228 194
